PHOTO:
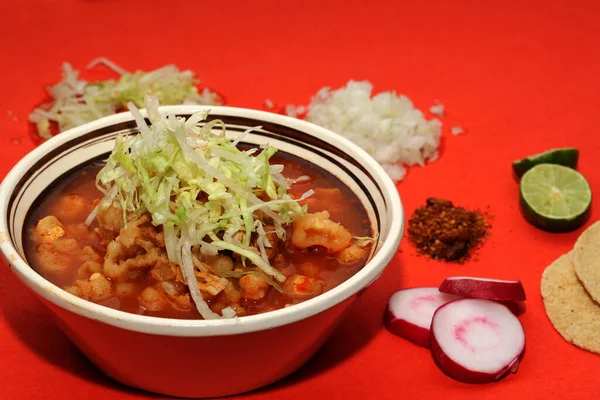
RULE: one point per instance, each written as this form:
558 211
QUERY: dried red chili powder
442 231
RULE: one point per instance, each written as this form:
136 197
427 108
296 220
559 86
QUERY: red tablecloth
521 77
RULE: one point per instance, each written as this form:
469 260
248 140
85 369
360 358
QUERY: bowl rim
180 327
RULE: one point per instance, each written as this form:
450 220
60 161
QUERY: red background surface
521 77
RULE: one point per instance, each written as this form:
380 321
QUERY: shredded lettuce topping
75 101
195 183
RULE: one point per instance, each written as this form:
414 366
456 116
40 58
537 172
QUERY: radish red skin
517 307
461 374
458 372
406 330
480 288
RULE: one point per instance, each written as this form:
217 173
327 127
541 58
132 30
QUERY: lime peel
566 156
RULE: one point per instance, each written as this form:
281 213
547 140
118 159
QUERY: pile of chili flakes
445 232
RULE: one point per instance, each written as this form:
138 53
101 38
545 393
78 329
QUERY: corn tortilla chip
572 312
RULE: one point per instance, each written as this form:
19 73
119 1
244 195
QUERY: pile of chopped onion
386 125
195 183
75 101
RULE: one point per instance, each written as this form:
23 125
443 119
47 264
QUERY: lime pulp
555 198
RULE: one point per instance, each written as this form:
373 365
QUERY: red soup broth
331 194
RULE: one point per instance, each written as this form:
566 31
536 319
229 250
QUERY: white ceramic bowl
201 358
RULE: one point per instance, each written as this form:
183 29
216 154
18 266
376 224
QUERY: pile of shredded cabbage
75 101
195 183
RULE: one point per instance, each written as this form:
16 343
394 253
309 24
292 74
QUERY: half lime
555 198
567 156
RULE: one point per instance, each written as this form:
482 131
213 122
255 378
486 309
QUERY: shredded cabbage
194 182
75 101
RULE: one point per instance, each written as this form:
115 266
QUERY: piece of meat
142 261
144 244
352 254
49 229
123 253
149 232
210 284
129 233
177 294
118 270
110 222
51 261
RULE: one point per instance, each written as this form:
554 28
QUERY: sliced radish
476 341
409 312
483 288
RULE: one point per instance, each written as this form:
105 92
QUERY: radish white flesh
409 312
476 341
483 288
